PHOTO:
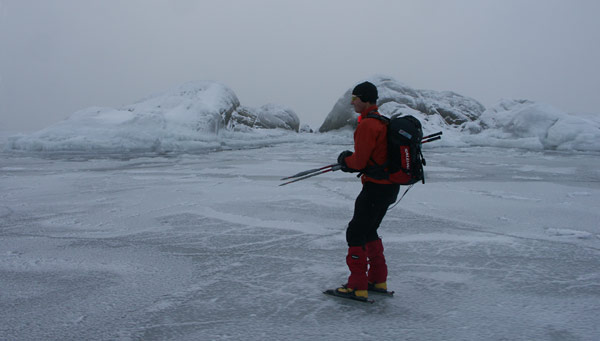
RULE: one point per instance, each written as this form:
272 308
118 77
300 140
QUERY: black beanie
366 91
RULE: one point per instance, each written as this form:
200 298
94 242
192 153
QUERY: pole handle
432 139
432 135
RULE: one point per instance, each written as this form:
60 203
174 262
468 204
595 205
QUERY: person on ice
365 259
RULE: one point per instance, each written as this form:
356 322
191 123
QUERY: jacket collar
367 111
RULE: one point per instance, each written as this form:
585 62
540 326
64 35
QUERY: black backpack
405 161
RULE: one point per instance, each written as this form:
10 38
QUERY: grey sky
59 56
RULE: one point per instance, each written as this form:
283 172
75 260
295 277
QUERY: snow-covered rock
269 116
278 116
534 125
188 114
398 98
305 128
188 118
466 122
205 116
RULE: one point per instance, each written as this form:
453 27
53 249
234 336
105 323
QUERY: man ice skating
365 259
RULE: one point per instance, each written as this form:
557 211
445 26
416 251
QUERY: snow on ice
163 220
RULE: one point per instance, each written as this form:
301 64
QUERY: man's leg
356 237
357 263
377 273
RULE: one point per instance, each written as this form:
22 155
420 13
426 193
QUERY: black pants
369 209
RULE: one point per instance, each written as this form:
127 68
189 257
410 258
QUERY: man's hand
342 161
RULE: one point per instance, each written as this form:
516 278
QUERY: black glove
341 161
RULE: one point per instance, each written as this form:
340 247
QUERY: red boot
377 268
357 263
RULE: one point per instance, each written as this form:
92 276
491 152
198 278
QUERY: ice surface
157 222
499 244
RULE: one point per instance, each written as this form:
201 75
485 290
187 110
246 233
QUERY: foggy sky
60 56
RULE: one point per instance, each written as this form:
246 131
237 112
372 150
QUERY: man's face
358 105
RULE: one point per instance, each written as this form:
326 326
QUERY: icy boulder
183 118
305 128
278 116
199 105
398 98
342 114
533 125
269 116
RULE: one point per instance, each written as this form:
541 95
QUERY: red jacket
370 144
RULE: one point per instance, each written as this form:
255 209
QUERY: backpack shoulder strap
374 114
